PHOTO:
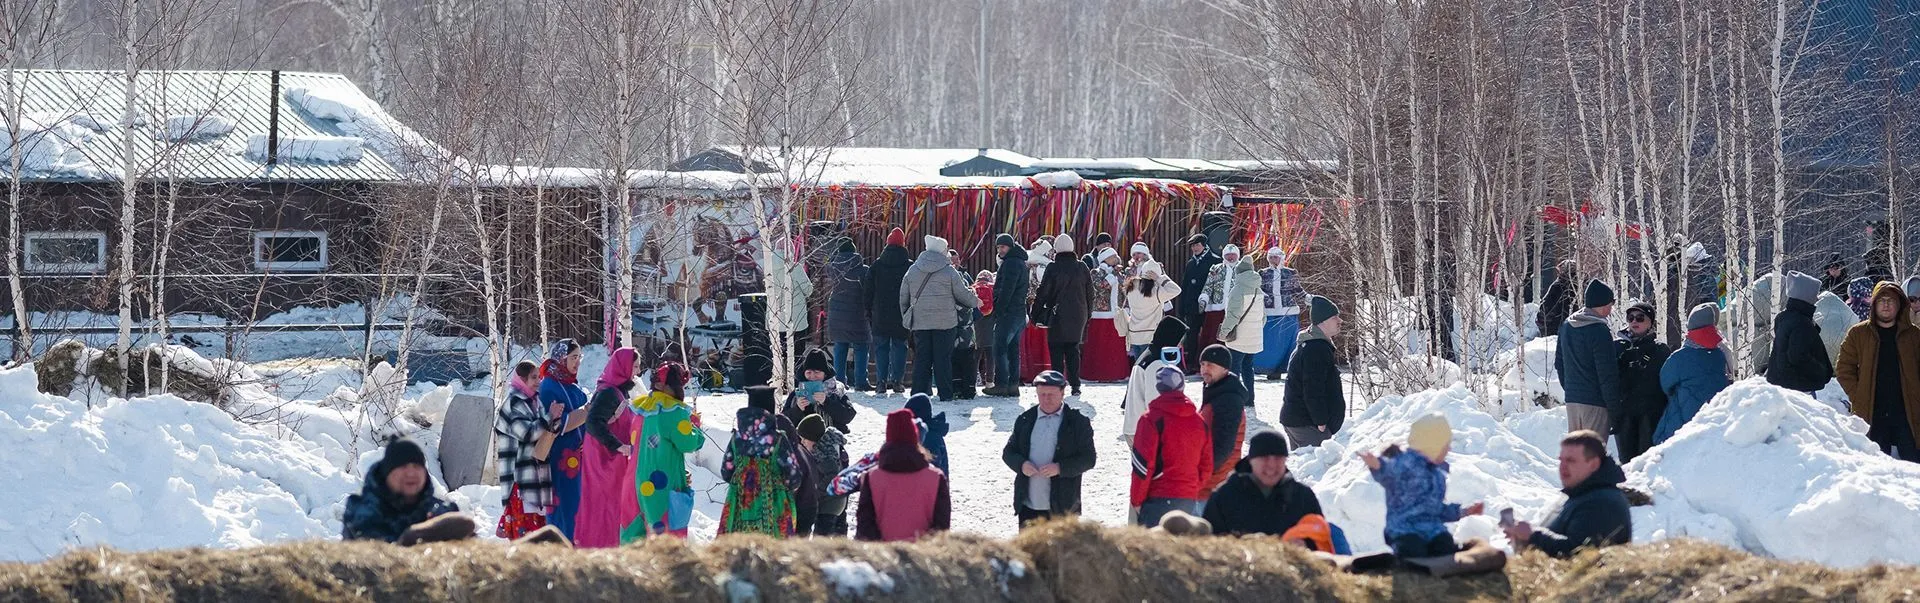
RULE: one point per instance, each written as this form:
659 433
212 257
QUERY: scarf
619 371
525 389
1704 337
557 371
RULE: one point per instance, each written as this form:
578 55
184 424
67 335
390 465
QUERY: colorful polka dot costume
669 431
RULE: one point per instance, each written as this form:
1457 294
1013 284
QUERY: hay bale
1081 561
1684 569
57 369
961 568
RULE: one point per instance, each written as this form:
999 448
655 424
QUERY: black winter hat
1197 239
761 397
817 360
1643 307
1266 443
1319 309
1598 294
1102 239
1217 354
1005 239
402 452
812 428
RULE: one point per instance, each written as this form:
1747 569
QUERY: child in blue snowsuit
1416 485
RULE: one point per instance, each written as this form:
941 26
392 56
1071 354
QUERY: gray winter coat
934 293
847 301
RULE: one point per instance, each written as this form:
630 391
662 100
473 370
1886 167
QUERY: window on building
66 252
306 251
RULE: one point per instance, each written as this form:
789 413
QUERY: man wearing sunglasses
1641 357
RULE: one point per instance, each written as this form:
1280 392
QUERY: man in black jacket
1314 406
1642 400
1010 286
1596 512
1193 280
1092 259
1051 447
1799 360
883 304
1557 304
1223 405
1261 497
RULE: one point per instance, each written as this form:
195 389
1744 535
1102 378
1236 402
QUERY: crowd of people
607 465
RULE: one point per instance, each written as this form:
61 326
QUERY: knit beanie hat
1802 287
1643 307
1431 435
897 237
1912 286
900 429
402 452
1005 239
1217 354
1168 379
1266 443
1230 250
1320 309
1063 243
812 428
1102 239
761 397
561 349
1140 248
817 360
921 405
935 244
1150 267
1703 315
1598 294
846 246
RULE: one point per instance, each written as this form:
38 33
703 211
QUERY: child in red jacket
1172 453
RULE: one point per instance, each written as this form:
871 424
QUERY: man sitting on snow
397 503
1595 514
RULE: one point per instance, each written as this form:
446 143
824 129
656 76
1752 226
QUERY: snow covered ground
1762 469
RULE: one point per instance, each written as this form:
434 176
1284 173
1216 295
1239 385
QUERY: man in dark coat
1066 292
1836 278
1315 405
397 503
1557 304
848 326
1261 497
1193 280
889 333
1641 358
1588 362
1596 513
1010 286
1051 447
1799 360
1092 259
1223 405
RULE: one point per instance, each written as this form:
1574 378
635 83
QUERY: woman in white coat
1143 305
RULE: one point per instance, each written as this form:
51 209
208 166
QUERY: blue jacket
1588 362
1691 377
1596 514
552 390
1010 286
1416 495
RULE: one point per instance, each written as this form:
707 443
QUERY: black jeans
933 362
1413 545
1190 353
1066 359
1028 516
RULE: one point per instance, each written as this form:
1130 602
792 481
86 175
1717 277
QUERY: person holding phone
1140 385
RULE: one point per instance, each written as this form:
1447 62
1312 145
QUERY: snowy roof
713 181
877 166
208 126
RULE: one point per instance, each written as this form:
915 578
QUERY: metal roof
76 117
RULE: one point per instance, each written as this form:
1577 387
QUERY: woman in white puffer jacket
1143 306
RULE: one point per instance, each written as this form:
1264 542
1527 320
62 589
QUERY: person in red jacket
1172 453
905 496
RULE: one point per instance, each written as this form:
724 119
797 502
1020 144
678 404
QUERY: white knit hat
1276 252
1063 243
1140 248
935 244
1230 249
1107 254
1150 267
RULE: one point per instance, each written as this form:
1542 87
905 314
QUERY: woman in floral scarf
562 395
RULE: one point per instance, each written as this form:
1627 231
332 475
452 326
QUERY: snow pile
188 128
1489 462
852 579
1482 334
314 149
360 117
54 144
151 473
1528 375
1059 179
1777 473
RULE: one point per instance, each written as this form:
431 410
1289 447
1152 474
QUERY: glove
1133 515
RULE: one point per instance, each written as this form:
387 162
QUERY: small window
290 251
66 252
